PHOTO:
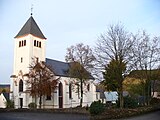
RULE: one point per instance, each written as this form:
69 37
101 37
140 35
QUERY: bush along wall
96 108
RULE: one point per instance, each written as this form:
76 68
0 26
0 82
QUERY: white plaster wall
88 96
2 101
156 95
27 52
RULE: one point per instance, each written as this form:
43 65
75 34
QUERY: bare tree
146 58
116 44
82 59
41 81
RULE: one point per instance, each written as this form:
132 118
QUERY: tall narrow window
19 43
34 42
21 59
78 91
70 91
37 44
88 87
20 86
24 42
49 94
40 44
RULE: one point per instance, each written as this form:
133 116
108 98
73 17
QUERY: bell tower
29 43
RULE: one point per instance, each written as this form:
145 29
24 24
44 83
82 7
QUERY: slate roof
30 27
60 68
4 86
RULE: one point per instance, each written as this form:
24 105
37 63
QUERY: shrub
155 101
9 104
96 108
32 105
129 102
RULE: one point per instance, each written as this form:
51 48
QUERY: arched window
24 42
20 86
48 97
34 42
19 43
40 44
88 87
37 44
70 91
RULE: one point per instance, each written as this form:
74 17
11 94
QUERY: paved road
150 116
56 116
40 116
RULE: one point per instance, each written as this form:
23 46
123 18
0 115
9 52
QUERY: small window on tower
21 59
19 43
24 42
40 44
37 43
34 42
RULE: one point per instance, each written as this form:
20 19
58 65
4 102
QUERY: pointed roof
30 27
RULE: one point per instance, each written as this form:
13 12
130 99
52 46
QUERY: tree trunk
121 101
40 101
121 98
149 93
81 99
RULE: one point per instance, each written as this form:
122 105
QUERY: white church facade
31 43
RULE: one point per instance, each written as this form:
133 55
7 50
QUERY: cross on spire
31 9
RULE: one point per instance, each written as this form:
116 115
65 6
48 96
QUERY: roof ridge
56 60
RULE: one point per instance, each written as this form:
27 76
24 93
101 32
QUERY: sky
68 22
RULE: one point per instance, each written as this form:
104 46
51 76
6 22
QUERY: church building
30 43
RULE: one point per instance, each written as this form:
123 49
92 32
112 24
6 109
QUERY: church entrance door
21 102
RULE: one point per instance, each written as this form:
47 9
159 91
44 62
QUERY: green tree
113 72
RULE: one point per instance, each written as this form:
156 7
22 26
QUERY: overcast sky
68 22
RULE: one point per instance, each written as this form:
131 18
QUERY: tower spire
31 9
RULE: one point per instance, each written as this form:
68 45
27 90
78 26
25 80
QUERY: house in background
5 88
155 89
111 97
4 97
31 43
